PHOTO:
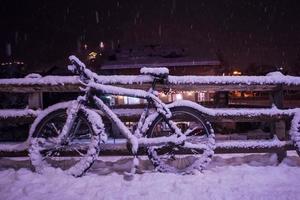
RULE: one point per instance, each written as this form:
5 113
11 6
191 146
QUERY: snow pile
155 71
277 73
33 75
229 177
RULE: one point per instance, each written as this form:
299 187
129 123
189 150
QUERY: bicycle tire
196 161
42 135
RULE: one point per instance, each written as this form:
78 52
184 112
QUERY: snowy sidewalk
229 177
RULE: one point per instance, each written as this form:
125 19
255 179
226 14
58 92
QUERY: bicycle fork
66 133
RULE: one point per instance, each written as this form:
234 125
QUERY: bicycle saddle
159 72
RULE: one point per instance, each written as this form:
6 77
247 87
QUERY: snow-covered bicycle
177 136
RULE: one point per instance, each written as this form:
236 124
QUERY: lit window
92 55
236 73
169 98
178 96
131 100
189 93
201 96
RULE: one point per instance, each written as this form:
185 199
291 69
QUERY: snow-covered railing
18 114
35 86
275 83
217 83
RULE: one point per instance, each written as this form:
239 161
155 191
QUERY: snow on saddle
159 72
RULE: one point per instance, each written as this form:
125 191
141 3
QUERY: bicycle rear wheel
77 152
197 150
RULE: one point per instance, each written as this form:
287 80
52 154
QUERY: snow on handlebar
79 67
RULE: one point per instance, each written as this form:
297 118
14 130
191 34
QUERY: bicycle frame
135 139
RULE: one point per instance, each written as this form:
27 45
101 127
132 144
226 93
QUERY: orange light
237 73
190 93
92 55
178 96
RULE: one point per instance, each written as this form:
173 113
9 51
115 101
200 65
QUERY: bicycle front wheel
78 150
197 150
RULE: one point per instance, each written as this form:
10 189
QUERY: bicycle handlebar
85 74
79 67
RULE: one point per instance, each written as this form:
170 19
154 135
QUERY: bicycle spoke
195 151
55 128
188 131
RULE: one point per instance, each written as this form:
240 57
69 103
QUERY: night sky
243 32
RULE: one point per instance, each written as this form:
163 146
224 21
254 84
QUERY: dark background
246 32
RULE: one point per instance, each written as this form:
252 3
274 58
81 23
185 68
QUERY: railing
275 85
35 87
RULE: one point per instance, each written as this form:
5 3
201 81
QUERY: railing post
35 100
221 99
279 127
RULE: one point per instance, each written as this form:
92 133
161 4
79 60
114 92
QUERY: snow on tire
197 150
46 150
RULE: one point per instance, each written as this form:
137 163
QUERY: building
130 61
176 66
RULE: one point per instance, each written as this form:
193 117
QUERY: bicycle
178 138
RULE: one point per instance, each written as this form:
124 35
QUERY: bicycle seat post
153 85
160 75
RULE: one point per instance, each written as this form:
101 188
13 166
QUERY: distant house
130 61
12 69
177 66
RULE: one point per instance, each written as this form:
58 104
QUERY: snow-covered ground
251 176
